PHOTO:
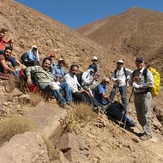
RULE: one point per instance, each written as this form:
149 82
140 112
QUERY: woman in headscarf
32 57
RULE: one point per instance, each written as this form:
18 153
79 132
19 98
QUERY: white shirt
120 74
86 78
72 82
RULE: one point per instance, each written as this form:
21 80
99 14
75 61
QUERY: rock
66 142
28 147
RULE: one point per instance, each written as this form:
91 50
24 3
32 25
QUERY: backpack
79 77
123 70
156 78
24 56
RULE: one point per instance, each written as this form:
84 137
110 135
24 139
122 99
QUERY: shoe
64 106
130 123
145 137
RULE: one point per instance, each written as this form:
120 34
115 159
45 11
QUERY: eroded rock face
28 148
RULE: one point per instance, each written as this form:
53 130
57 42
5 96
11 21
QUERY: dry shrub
13 126
53 152
35 98
83 112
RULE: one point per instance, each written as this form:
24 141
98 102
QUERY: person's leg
56 93
13 61
123 92
113 93
138 100
67 92
146 107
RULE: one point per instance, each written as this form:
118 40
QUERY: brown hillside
30 27
114 38
136 32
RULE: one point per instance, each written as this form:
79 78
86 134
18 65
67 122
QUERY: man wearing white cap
120 76
94 64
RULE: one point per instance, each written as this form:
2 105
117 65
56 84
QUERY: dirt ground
111 143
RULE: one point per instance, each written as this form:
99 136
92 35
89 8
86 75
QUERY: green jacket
42 77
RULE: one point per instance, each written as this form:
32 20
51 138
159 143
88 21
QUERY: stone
66 142
28 147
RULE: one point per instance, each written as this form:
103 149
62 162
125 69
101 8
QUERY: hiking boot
145 137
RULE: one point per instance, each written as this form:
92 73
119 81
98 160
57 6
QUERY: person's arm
6 67
106 97
28 73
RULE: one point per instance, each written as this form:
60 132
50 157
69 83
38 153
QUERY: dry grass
83 112
80 115
13 126
35 98
53 152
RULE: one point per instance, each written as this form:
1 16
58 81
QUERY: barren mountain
136 32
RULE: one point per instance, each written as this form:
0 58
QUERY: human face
74 70
139 64
46 65
119 65
1 35
7 53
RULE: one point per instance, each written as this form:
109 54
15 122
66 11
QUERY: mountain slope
136 32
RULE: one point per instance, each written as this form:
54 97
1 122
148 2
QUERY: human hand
135 85
29 81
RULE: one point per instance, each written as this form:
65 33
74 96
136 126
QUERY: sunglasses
106 82
139 62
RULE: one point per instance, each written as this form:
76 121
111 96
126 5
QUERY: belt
143 92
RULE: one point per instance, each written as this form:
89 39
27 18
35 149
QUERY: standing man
120 76
142 97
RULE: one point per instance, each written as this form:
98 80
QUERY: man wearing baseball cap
120 76
142 96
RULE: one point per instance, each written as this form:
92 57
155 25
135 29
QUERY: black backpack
79 77
24 56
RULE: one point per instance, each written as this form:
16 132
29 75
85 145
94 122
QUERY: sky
76 13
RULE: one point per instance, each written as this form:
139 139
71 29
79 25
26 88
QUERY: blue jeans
67 92
57 94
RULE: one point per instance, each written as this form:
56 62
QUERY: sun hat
94 58
120 61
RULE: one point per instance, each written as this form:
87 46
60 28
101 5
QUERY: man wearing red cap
142 96
53 64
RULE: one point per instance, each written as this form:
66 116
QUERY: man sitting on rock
44 80
6 69
113 109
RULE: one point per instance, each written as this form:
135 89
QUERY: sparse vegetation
35 98
81 114
53 152
13 126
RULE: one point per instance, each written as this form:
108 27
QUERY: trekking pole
124 126
121 120
139 128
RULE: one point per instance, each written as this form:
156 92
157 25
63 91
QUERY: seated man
78 93
6 69
31 58
109 108
58 71
44 80
89 80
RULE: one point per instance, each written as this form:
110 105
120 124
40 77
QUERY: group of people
53 79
